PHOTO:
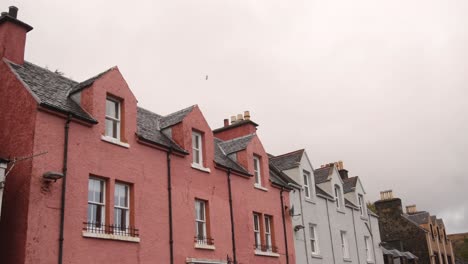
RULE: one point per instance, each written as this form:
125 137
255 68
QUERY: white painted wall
3 167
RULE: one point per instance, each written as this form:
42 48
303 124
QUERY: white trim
198 137
256 186
200 167
111 237
203 246
266 253
204 261
114 141
257 172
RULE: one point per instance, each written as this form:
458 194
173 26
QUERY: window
337 196
121 208
368 245
197 149
96 203
361 204
432 231
268 244
258 241
112 118
313 239
201 223
344 244
307 180
438 233
258 180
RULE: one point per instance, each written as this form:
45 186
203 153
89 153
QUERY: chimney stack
233 119
247 115
13 11
411 209
226 122
386 195
240 117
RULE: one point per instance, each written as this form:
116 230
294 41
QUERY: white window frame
338 196
307 184
344 245
257 171
268 240
201 237
119 228
256 228
197 151
314 244
361 205
114 119
101 204
369 251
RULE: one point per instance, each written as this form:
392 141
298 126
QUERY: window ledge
318 256
115 141
203 246
370 261
340 211
364 218
309 200
256 186
347 260
200 168
266 253
111 237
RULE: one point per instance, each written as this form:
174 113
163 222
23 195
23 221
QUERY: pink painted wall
12 42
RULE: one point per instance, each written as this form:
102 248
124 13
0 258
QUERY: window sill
347 260
200 168
317 256
309 200
256 186
340 211
266 253
370 261
111 237
364 218
115 141
202 246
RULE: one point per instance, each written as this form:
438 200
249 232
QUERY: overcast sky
381 85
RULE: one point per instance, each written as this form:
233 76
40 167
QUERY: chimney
386 195
240 117
246 115
226 122
233 119
13 36
343 174
411 209
240 126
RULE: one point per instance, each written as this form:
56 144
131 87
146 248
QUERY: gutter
169 193
64 187
284 226
233 237
303 224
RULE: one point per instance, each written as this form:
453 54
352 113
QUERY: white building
330 218
3 166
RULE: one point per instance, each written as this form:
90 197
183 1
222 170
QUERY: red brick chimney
241 125
13 36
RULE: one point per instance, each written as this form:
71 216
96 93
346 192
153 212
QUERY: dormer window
361 205
112 118
307 180
197 149
257 172
338 196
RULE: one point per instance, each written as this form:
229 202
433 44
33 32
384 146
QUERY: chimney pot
226 122
4 13
386 195
247 115
240 117
233 119
411 209
13 11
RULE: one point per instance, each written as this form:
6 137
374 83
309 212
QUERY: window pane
112 108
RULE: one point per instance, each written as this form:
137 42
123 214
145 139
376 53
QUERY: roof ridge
181 110
237 138
46 69
289 153
144 109
88 82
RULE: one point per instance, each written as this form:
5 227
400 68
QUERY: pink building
121 184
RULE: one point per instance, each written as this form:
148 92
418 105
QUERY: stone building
415 231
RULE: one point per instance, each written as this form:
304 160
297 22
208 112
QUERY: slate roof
175 118
319 190
51 89
288 161
222 159
349 203
321 175
440 221
236 144
280 178
236 124
419 218
349 184
148 129
82 85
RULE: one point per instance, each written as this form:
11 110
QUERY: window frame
101 205
361 203
344 244
115 120
197 137
257 170
205 238
268 220
307 184
125 209
257 231
313 237
338 196
369 250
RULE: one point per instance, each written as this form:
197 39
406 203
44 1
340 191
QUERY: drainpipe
303 224
331 235
284 226
64 187
372 238
355 236
169 190
233 236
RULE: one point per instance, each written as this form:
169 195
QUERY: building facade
331 222
419 232
3 167
122 184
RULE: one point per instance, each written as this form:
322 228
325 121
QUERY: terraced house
331 222
121 184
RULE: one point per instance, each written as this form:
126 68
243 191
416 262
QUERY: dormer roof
419 218
236 144
349 184
323 174
174 118
287 161
222 159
